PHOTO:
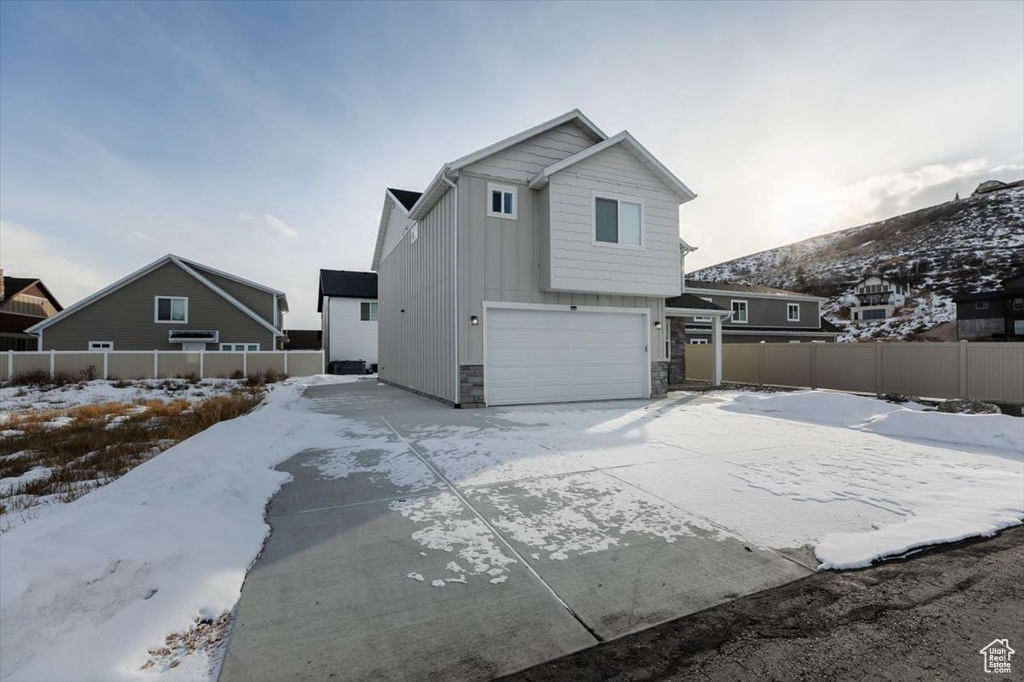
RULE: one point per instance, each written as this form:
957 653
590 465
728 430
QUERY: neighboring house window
617 221
171 309
703 318
239 347
739 311
698 342
1018 304
981 305
414 233
101 345
501 202
793 312
791 341
368 311
873 315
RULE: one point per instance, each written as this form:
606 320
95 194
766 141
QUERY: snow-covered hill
963 245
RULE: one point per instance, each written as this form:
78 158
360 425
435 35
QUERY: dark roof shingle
751 288
691 301
346 284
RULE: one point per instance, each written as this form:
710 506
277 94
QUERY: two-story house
758 313
878 299
171 304
24 302
992 315
533 270
347 303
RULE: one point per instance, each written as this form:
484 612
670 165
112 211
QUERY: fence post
106 373
53 363
962 380
814 366
10 365
156 364
285 361
760 363
245 361
202 363
878 369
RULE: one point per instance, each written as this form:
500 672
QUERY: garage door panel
555 356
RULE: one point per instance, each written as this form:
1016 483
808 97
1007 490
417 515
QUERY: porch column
716 350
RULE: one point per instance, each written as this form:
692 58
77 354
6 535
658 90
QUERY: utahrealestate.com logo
997 656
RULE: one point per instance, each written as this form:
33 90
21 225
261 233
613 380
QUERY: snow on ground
21 399
88 590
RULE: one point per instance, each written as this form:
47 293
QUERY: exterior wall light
474 320
657 324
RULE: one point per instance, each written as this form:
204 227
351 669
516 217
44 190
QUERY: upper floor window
501 201
171 309
739 311
703 318
793 312
981 305
368 311
1018 304
618 221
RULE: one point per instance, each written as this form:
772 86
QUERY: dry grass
98 443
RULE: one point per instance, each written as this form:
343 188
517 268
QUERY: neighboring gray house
24 301
758 313
992 315
171 304
533 270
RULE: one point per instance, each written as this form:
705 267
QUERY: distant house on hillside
996 185
24 301
878 299
992 315
759 313
348 310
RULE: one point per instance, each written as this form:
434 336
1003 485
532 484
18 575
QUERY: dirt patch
924 617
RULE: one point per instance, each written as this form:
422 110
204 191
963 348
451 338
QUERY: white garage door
543 356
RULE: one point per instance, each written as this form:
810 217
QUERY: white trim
746 310
683 192
646 312
456 367
229 298
245 347
493 187
618 199
694 312
698 342
752 294
101 345
789 308
156 309
228 275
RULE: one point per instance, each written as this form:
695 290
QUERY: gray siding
125 317
580 264
256 300
398 225
754 338
521 162
499 260
417 347
765 312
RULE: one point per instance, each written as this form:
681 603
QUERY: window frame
746 310
698 342
981 305
156 309
493 187
101 345
372 306
618 199
1017 304
703 318
246 347
789 308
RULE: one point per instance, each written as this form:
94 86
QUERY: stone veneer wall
659 379
471 386
676 350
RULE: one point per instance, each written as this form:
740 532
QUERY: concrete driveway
429 546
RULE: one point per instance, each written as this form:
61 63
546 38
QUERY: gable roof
405 197
184 265
747 289
346 284
15 285
691 302
635 148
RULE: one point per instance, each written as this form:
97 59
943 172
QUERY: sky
258 138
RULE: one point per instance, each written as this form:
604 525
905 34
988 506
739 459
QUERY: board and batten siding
349 336
522 161
398 226
125 317
764 312
259 301
417 346
577 263
499 261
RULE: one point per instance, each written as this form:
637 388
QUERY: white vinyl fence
984 371
163 364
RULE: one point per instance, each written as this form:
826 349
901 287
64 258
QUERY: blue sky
259 137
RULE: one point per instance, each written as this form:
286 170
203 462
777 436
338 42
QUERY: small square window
1018 304
101 345
368 311
618 221
502 203
698 342
171 309
981 305
793 312
739 311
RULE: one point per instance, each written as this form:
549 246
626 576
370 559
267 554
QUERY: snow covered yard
94 590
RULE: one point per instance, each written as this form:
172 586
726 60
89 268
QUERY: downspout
455 284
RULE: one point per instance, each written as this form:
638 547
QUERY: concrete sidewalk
331 595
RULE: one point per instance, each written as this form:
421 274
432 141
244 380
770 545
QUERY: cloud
27 253
272 223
